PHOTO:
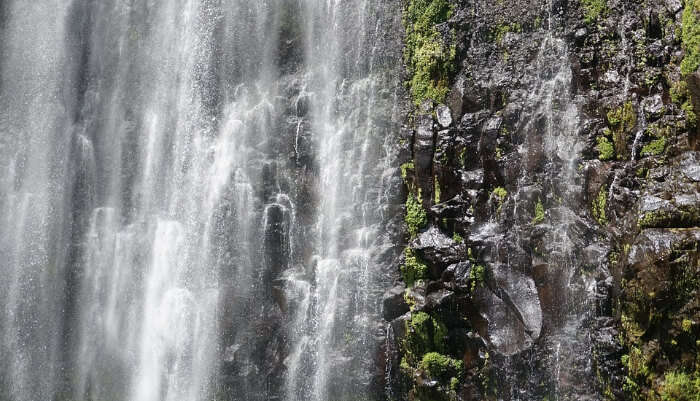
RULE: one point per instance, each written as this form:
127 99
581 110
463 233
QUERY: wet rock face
560 183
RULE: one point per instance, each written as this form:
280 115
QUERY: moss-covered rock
427 54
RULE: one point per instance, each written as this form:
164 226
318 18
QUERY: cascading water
540 319
194 198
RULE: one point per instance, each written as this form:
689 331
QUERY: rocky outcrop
555 249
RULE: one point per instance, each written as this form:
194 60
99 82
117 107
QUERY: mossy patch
477 276
441 367
679 386
593 9
424 334
655 147
622 120
416 217
539 212
428 57
500 31
690 36
413 268
598 206
605 148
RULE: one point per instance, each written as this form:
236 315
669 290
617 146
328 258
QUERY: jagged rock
690 165
673 6
653 105
654 245
444 115
437 250
512 310
393 303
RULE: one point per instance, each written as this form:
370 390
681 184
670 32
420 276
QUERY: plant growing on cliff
441 367
437 190
405 168
598 206
477 276
424 334
605 148
622 120
428 58
592 9
539 212
416 217
678 386
655 147
690 36
413 269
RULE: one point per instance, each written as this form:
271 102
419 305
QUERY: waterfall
192 197
549 293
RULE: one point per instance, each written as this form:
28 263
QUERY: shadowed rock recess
349 200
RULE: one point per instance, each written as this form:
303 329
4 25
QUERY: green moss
682 217
405 168
593 9
605 148
687 325
457 238
500 193
691 117
500 31
598 206
690 36
429 60
424 334
416 218
679 386
539 212
441 367
413 268
655 147
477 276
678 92
437 190
622 120
638 363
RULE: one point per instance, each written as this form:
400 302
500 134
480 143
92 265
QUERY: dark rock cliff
551 166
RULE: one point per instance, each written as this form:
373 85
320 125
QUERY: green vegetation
416 218
441 367
477 276
500 31
437 190
424 334
687 325
598 206
622 120
593 9
681 217
690 37
428 58
605 148
678 386
457 238
655 147
500 194
413 268
424 350
539 212
405 168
